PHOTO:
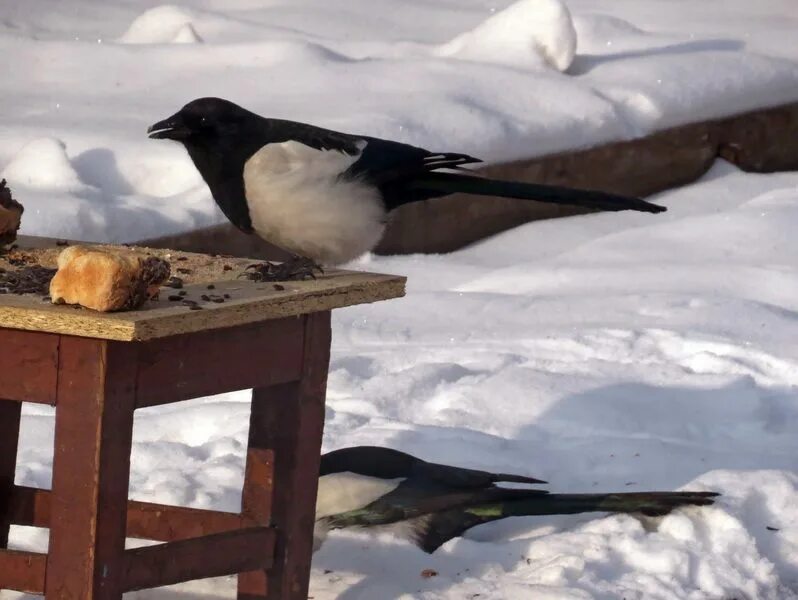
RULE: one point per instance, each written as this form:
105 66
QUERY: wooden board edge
121 330
290 306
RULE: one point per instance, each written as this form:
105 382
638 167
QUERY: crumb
427 573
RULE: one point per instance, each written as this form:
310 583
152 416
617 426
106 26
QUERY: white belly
342 492
297 202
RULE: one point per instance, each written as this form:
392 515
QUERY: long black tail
450 183
439 528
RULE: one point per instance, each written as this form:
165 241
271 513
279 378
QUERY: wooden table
96 369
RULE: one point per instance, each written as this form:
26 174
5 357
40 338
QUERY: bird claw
297 268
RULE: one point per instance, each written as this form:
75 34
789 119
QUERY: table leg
9 438
286 427
91 468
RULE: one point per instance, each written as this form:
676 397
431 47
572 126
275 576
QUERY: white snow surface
493 78
609 352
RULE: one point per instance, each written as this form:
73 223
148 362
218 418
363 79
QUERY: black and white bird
429 504
325 195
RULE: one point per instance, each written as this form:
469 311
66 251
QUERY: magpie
429 504
324 195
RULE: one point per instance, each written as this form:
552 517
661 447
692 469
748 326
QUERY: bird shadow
584 63
98 167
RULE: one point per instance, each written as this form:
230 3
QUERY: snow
494 78
604 352
527 32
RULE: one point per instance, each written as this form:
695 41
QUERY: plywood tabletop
247 301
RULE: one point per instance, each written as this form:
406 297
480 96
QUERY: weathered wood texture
28 366
760 141
91 466
23 571
210 362
145 520
198 558
285 435
249 302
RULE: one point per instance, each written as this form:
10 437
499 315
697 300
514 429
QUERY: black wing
393 167
386 463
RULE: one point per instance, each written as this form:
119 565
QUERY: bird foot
296 268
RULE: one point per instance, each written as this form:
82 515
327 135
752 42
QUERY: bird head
203 122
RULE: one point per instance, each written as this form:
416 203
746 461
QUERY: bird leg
296 268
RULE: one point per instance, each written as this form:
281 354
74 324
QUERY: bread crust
106 281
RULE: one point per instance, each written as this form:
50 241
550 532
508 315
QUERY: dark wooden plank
169 523
9 438
28 366
223 360
91 467
22 571
198 558
288 420
31 506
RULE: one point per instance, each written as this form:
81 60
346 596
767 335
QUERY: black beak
172 128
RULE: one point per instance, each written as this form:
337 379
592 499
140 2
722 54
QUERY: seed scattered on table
30 279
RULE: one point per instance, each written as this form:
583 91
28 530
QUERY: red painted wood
198 558
31 506
288 421
223 360
9 437
91 465
22 571
28 366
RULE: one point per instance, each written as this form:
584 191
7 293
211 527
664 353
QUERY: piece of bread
105 280
10 215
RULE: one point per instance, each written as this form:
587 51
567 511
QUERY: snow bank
161 25
538 32
43 164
